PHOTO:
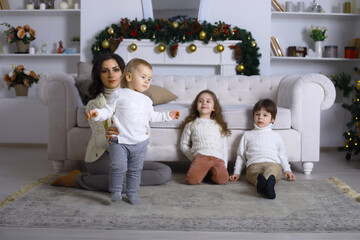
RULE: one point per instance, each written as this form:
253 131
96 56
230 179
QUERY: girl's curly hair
215 115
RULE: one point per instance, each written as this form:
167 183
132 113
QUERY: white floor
22 165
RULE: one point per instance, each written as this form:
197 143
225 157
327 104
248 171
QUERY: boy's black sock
270 187
261 182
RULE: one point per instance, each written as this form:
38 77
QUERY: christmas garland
171 33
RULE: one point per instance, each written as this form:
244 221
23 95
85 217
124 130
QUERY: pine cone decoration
114 44
196 27
173 50
124 29
237 53
216 32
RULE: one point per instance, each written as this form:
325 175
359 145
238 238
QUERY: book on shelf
275 46
277 6
4 4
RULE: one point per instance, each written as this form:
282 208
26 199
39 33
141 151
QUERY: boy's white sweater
261 145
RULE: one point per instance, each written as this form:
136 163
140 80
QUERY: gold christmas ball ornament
161 48
184 37
253 44
202 34
358 85
175 24
133 47
154 36
105 44
110 31
220 47
192 47
143 28
240 67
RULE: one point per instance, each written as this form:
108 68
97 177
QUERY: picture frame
4 4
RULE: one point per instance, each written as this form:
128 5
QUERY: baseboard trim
327 149
23 145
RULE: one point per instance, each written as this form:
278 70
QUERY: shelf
312 14
40 55
36 13
314 59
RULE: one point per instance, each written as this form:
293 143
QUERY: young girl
131 111
204 140
263 151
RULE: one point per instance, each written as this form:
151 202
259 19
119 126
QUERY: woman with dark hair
106 74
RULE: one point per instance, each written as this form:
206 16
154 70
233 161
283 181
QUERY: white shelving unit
293 29
60 25
51 26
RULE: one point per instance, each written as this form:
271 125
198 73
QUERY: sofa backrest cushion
229 89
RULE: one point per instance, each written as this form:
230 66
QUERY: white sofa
299 98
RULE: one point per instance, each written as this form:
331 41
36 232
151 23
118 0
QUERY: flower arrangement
25 33
20 75
318 33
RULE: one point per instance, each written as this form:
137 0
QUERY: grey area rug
301 206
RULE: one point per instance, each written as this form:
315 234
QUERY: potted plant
318 35
21 79
21 35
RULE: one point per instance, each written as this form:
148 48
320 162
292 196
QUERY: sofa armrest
306 96
302 94
58 91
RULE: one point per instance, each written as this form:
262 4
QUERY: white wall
253 16
97 15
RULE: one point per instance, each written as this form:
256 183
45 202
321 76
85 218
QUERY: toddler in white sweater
131 112
263 152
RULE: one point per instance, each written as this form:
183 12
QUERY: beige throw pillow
159 95
83 80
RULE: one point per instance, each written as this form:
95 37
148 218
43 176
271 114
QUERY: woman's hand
91 114
175 114
234 177
110 132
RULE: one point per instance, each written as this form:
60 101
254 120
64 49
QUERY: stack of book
277 6
275 47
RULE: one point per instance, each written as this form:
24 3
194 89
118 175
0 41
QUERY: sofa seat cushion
238 116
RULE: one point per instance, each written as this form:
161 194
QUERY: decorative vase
319 49
21 90
22 47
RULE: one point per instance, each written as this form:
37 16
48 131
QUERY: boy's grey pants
126 160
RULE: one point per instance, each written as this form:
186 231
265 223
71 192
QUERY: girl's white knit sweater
203 136
261 145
